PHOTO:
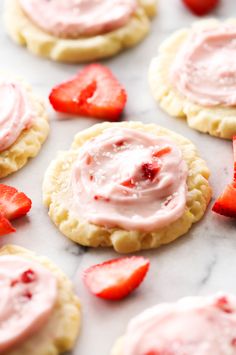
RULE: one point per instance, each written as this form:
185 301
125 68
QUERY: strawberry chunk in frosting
196 326
16 113
204 70
28 295
75 18
130 179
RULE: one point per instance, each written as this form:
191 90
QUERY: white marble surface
202 262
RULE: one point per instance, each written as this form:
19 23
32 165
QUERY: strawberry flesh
226 203
5 226
128 183
161 152
120 143
115 279
201 7
94 92
28 295
150 170
28 276
234 150
223 304
101 198
13 204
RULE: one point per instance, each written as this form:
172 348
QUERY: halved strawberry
201 7
226 203
5 226
13 204
94 92
115 279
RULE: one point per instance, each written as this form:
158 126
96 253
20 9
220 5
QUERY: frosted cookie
127 185
78 31
194 77
193 325
39 312
23 124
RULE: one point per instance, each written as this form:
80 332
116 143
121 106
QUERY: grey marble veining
202 262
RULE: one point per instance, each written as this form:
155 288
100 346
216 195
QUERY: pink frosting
28 295
74 18
130 179
16 113
204 70
196 326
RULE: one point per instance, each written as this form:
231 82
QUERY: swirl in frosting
28 295
204 70
130 179
196 326
16 113
75 18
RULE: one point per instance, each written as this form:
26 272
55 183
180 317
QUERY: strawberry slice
5 226
13 204
226 203
159 153
94 92
201 7
115 279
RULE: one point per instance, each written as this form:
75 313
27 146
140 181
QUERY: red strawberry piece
14 282
89 160
101 198
128 183
150 170
234 149
223 304
13 204
115 279
28 276
201 7
226 203
27 295
94 92
161 152
5 226
120 143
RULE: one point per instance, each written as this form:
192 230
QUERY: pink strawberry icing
196 326
74 18
130 179
204 70
16 113
28 295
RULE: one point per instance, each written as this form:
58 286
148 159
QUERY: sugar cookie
193 325
188 79
127 185
23 125
38 302
78 32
